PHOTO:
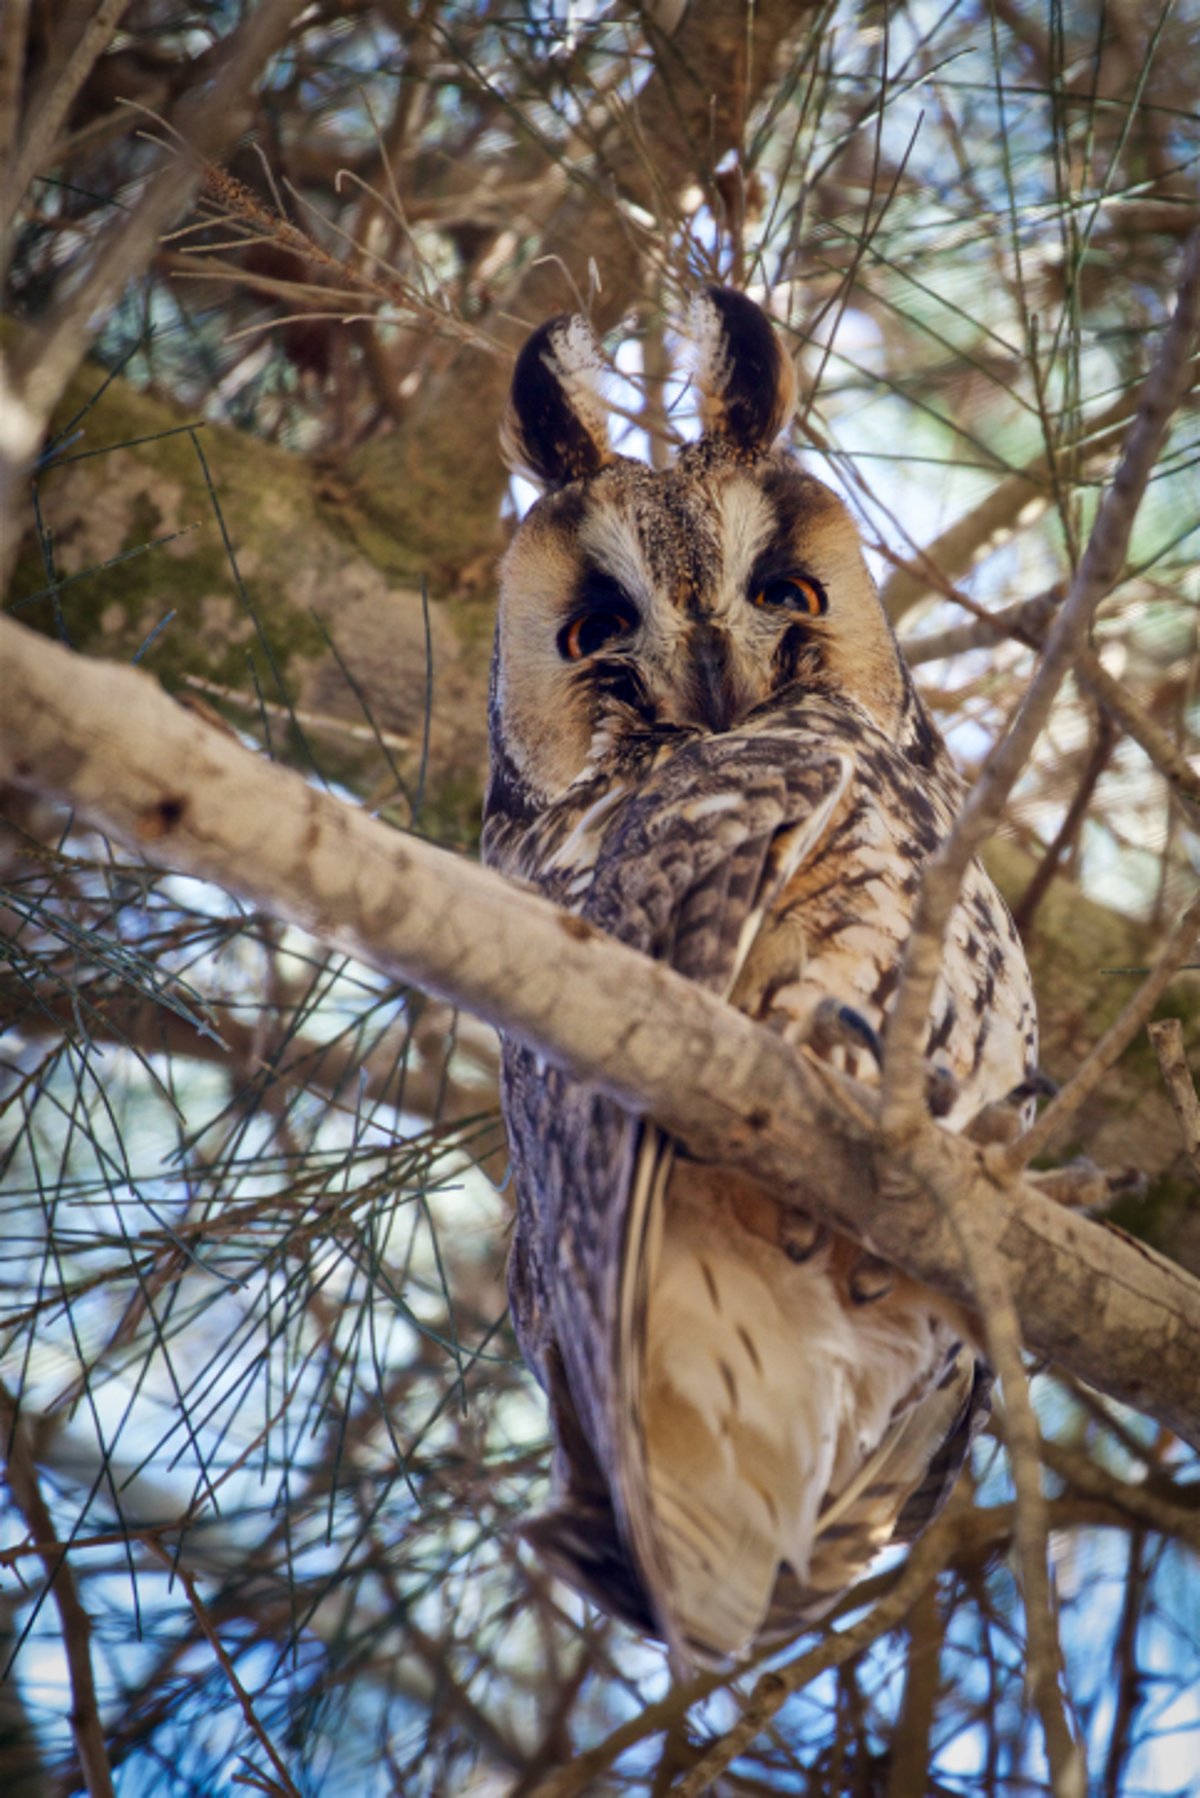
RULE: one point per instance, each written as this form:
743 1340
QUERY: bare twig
34 382
1129 1678
1002 1338
1166 1037
22 1479
903 1109
1026 621
1167 757
922 1679
952 553
1142 1500
1116 1038
905 1124
772 1690
13 30
47 111
318 721
1068 831
209 1630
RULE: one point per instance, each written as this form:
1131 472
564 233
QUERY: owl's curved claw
1036 1085
838 1026
942 1087
1004 1120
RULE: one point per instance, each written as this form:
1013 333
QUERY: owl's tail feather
865 1516
726 1580
740 1434
581 1544
719 1532
786 1434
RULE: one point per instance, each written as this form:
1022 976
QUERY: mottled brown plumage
704 741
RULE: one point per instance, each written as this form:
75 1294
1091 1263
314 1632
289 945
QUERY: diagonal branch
48 110
107 741
22 1482
206 119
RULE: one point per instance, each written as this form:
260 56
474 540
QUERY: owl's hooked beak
714 695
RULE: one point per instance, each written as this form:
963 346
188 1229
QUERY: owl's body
705 742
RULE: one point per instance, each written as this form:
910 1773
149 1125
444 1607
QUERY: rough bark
290 609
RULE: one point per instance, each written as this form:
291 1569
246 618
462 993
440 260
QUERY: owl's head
637 602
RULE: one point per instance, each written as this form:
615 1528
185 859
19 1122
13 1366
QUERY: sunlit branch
107 741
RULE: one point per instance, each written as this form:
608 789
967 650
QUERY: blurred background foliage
267 1433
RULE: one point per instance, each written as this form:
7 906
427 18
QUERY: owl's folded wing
687 871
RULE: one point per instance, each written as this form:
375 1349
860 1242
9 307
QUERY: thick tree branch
108 742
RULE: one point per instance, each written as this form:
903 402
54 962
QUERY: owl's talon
1004 1120
838 1026
870 1280
942 1088
800 1236
1035 1085
1082 1186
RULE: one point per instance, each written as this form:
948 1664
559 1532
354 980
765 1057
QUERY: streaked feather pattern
745 1407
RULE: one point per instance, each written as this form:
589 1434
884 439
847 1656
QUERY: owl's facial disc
639 601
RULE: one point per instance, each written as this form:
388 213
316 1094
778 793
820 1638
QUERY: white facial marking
747 523
609 538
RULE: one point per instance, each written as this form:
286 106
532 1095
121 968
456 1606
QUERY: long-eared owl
704 740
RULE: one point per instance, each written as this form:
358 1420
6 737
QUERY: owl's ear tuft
746 382
556 425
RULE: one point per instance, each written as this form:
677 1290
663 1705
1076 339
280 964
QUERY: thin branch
1142 1501
209 1630
911 1757
951 554
22 1481
13 34
1166 1038
36 376
905 1125
47 111
1116 1039
1167 757
1026 621
1068 831
772 1690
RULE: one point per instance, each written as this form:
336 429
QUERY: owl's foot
942 1087
774 1221
837 1026
1082 1186
799 1235
1004 1120
870 1279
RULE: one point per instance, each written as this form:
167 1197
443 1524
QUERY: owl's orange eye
590 632
793 593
